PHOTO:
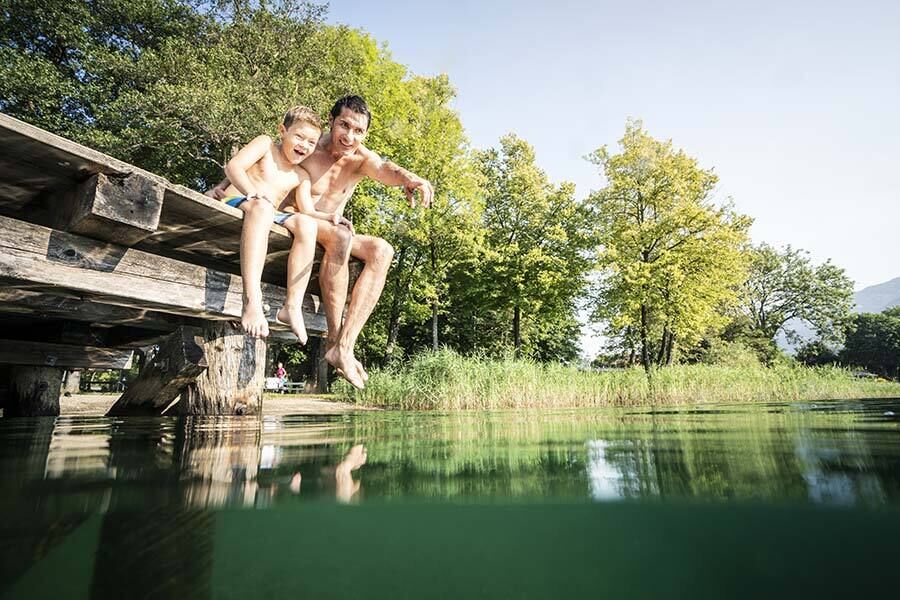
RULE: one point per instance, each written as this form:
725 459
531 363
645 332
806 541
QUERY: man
338 163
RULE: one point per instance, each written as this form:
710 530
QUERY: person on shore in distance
337 165
261 177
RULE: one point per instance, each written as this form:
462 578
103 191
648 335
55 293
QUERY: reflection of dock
98 257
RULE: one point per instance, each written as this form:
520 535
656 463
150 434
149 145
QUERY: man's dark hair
355 104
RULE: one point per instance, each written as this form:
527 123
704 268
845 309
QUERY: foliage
671 261
447 381
784 286
816 353
727 354
535 259
873 342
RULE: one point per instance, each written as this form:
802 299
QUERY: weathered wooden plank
77 308
122 210
112 274
178 362
22 352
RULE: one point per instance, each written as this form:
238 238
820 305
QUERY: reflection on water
838 454
126 503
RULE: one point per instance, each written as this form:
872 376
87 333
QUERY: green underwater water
785 500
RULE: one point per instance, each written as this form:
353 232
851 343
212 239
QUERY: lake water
784 500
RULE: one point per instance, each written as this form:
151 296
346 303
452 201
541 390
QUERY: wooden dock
98 257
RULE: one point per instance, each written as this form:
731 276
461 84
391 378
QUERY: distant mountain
876 298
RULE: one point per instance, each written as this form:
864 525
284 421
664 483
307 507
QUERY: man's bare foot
292 316
355 458
362 371
345 365
253 320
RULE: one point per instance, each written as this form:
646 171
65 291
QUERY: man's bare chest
332 178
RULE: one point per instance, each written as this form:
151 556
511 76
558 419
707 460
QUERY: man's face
348 130
298 141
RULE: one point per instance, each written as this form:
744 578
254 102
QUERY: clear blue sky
795 104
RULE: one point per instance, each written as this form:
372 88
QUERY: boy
262 176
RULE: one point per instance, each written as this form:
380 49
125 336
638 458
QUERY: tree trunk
670 349
645 350
233 383
434 326
34 391
663 344
394 319
517 337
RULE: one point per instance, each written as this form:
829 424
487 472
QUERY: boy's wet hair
302 114
355 104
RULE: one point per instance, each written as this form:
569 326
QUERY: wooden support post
233 383
178 363
34 391
71 382
120 209
317 370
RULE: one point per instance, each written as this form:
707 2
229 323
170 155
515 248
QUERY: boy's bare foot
345 365
292 316
253 320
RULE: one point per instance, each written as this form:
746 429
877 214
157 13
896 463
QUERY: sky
795 104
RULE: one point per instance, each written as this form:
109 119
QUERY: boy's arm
389 173
306 205
249 155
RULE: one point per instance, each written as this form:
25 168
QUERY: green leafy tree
873 342
671 261
784 287
537 254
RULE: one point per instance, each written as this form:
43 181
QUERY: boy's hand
424 188
338 220
218 192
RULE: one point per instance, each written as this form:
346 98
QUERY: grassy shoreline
447 381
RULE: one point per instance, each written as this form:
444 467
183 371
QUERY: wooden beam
77 308
122 210
178 363
112 274
41 354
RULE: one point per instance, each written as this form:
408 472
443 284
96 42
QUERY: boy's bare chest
282 179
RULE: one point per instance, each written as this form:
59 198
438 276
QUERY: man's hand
424 188
338 220
218 192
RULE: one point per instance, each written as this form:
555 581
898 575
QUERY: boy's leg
254 244
377 255
300 261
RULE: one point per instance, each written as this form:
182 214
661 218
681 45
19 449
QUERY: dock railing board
97 253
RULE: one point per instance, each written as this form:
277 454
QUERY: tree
670 260
873 342
537 252
784 287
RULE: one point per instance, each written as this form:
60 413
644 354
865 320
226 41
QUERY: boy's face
348 130
298 141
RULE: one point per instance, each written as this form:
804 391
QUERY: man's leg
254 243
377 255
334 274
300 261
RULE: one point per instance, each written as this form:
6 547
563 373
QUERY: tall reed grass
445 380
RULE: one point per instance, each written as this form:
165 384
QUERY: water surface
725 501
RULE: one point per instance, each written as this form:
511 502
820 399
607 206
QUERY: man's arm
389 173
249 155
305 205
